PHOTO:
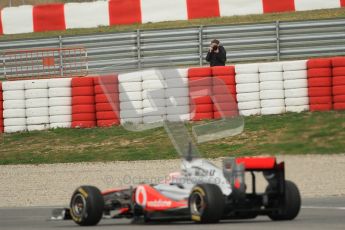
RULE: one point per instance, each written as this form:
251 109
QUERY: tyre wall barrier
338 83
212 92
131 97
295 86
173 94
224 83
248 89
37 109
1 110
50 17
83 103
271 88
153 95
320 84
107 104
14 106
60 103
177 95
200 88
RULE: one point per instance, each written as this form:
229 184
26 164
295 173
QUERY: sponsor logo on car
159 203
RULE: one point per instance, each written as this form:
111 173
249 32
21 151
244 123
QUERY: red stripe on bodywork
112 190
257 163
202 9
153 198
124 12
49 17
123 210
274 6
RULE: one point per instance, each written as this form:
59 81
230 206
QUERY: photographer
216 55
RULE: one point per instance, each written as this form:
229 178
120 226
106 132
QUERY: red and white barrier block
200 93
60 102
37 105
271 88
320 84
49 17
295 86
224 92
107 100
14 112
154 99
248 89
338 88
175 95
1 110
131 98
83 103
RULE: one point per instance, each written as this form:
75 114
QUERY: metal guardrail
45 62
188 46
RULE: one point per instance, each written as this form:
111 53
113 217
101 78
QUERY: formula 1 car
201 192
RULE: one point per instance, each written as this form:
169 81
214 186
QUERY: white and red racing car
201 192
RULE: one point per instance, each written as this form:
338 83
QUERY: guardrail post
201 45
61 56
139 49
4 64
87 62
278 39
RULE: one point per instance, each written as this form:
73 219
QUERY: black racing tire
245 216
206 203
290 205
87 205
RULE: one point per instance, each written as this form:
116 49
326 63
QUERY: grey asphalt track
316 214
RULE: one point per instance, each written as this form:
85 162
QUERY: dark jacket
217 59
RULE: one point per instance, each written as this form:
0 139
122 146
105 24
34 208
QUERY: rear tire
206 203
245 216
290 205
86 207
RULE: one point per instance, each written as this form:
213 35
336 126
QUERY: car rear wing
234 171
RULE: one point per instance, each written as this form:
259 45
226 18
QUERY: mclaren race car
202 192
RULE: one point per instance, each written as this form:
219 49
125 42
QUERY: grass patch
291 133
292 16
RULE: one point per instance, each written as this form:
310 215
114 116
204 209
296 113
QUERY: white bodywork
197 171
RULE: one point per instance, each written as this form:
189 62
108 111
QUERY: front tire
290 205
206 203
87 206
